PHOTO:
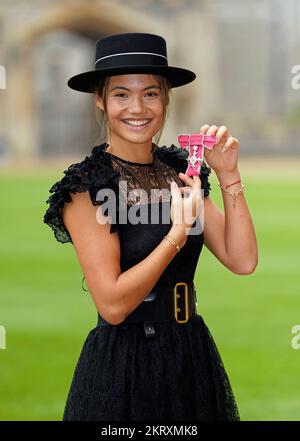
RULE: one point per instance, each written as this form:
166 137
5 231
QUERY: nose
136 105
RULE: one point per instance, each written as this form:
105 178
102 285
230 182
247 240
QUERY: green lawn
47 316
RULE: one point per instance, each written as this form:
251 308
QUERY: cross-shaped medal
196 144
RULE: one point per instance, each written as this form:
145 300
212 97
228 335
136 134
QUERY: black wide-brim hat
133 52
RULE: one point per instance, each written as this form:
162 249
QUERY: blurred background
247 59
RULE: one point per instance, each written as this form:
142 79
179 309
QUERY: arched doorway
61 121
64 119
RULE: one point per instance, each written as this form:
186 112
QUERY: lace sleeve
89 175
177 158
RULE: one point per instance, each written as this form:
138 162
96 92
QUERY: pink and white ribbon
196 144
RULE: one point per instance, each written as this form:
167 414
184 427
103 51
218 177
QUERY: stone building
242 53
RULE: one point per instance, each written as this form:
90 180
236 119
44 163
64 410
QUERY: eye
152 93
120 94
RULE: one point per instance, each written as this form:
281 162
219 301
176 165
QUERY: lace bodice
102 169
153 178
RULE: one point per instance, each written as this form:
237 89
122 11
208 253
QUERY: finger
197 182
212 130
176 203
185 191
176 193
204 128
222 132
230 143
189 180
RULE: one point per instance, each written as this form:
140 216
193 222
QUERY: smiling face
134 108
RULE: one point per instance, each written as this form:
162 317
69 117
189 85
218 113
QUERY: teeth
137 123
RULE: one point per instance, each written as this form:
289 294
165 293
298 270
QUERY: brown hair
101 117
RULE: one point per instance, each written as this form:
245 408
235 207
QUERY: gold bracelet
173 242
233 194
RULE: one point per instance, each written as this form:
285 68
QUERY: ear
99 102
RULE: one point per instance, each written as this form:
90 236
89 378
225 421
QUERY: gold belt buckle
177 296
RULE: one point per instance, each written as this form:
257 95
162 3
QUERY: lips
137 123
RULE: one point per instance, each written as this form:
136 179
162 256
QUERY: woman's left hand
223 158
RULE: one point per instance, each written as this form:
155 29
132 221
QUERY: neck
134 152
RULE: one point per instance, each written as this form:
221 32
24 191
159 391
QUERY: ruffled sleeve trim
92 174
176 157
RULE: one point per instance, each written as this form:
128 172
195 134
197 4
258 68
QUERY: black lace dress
121 375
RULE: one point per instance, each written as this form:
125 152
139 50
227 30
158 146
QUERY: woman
151 356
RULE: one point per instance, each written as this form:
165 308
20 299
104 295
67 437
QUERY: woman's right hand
186 202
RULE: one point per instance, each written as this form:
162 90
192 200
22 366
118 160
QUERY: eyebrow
125 88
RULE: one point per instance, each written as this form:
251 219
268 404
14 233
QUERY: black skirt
178 375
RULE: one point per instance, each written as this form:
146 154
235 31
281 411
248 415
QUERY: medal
195 143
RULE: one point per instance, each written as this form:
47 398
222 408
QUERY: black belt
164 303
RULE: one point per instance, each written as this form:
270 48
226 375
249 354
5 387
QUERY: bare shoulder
98 250
88 227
